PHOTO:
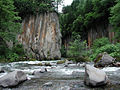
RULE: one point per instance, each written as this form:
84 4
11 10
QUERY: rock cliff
41 36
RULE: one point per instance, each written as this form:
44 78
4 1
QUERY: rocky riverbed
57 76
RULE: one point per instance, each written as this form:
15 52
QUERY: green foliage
3 48
103 45
18 49
8 17
115 18
77 48
100 42
80 59
13 57
9 27
82 15
14 54
63 51
33 7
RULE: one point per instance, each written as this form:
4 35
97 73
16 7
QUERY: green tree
8 20
83 15
115 18
77 48
9 26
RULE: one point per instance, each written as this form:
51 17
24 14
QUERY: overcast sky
65 3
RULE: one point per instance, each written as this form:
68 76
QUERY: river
61 77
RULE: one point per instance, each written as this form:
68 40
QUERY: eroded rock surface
95 77
103 60
41 36
12 79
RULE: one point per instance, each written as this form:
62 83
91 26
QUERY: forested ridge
84 15
76 20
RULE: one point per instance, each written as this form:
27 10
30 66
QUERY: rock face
12 79
95 77
105 60
41 36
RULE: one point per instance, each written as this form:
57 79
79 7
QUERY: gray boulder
105 60
12 79
95 77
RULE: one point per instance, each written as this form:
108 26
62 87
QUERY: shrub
79 59
77 48
18 49
13 57
105 46
100 42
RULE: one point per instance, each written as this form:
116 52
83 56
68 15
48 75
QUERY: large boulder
103 60
12 79
95 77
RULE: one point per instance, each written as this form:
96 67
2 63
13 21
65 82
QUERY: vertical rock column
41 36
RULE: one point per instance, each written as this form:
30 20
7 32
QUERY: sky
65 3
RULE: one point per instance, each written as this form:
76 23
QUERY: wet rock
42 70
80 64
53 64
47 64
103 60
12 79
1 70
95 77
68 62
117 64
48 84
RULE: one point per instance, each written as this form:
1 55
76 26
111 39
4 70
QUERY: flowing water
61 77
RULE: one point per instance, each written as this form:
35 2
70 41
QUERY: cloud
65 3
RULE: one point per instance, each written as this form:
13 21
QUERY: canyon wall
41 36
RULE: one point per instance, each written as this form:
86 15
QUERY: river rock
12 79
117 64
42 70
105 60
95 77
1 70
68 62
41 36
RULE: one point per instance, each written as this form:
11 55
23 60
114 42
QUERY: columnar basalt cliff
41 36
100 31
